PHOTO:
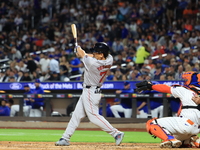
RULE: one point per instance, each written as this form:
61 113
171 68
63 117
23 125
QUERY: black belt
192 107
88 86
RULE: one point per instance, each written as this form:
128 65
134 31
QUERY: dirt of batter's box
5 145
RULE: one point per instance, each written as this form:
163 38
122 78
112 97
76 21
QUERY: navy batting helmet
101 47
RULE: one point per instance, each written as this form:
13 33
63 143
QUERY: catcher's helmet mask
101 47
191 78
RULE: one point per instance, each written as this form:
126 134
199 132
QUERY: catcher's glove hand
144 85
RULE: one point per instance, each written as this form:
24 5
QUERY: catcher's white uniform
187 124
88 104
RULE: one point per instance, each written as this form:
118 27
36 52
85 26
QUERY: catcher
178 131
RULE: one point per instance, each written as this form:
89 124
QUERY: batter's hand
196 99
75 48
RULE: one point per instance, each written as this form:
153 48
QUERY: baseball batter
96 67
182 130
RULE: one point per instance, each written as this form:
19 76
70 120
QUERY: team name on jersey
102 67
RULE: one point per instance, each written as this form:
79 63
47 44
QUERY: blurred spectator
44 63
75 65
119 76
157 73
54 77
35 75
11 79
10 103
169 76
10 75
31 65
45 20
18 20
193 39
170 6
53 65
23 4
117 46
15 54
37 104
125 104
64 68
3 8
179 72
155 105
20 76
4 109
142 53
26 106
21 66
142 110
108 110
26 16
3 22
109 75
26 48
2 76
26 76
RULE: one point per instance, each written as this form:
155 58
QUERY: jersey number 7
103 74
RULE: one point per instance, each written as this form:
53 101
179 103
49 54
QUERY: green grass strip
40 135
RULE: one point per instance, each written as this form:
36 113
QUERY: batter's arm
81 53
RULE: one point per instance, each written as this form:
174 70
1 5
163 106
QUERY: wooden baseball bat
74 32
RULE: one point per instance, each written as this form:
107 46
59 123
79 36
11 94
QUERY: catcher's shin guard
157 131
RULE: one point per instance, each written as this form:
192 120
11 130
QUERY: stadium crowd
149 39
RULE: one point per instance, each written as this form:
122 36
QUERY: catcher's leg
169 141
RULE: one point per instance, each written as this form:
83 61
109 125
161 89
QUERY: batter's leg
91 105
78 114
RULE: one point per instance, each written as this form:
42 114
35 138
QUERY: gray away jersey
96 70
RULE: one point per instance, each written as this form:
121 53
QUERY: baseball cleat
195 142
173 143
62 142
118 138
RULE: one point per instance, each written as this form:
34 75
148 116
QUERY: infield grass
40 135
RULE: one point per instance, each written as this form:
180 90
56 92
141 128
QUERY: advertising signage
76 85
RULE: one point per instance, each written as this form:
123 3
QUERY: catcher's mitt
144 85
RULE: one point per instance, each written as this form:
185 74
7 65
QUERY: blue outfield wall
111 85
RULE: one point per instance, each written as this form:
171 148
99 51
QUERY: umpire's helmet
101 47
